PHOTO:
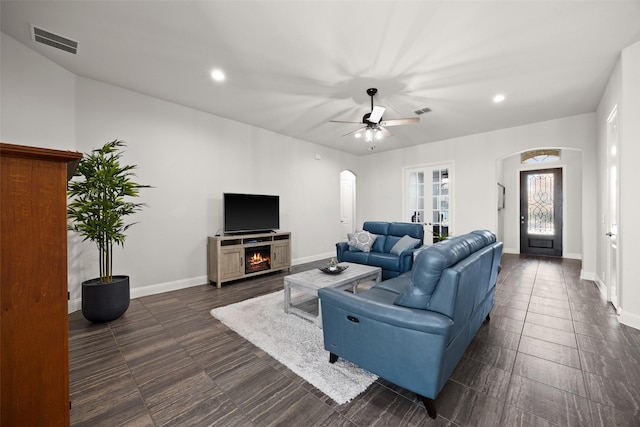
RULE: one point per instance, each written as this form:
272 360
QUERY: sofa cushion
384 261
379 244
396 285
357 257
405 243
376 227
403 228
362 240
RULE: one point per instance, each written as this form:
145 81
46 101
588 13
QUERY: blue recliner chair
412 330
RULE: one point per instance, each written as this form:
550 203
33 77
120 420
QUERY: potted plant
97 209
440 236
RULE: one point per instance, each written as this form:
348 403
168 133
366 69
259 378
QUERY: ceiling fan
373 125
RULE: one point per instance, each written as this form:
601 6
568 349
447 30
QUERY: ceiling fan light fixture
376 114
358 135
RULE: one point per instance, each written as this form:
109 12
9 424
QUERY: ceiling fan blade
385 132
344 121
357 130
398 122
376 114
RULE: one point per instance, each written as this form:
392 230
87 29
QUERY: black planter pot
104 302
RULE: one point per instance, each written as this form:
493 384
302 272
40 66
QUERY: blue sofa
412 330
387 235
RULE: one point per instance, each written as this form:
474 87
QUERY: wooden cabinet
237 257
230 263
280 257
33 295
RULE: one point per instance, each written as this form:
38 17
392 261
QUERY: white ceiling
293 66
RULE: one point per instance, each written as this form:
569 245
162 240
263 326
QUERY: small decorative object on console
333 267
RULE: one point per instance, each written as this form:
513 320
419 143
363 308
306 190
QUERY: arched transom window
540 156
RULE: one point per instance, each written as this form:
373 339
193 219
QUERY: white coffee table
310 281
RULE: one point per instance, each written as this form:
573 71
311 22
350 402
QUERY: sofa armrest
406 260
402 317
341 248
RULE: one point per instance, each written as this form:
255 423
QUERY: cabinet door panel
280 255
231 263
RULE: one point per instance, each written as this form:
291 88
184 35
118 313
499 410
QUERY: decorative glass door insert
540 204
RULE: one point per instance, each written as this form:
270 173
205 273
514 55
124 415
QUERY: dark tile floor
552 354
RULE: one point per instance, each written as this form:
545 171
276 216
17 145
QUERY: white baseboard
600 284
168 286
74 305
572 256
629 319
143 291
313 258
588 275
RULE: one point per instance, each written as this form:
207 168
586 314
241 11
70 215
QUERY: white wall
623 91
37 99
475 160
610 99
190 157
571 164
629 230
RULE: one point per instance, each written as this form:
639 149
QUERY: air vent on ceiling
46 37
423 110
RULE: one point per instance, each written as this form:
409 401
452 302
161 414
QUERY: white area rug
296 343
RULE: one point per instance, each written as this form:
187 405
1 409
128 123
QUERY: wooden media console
239 256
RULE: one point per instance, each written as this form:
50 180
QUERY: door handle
610 234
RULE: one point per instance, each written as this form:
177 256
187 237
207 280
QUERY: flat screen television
247 213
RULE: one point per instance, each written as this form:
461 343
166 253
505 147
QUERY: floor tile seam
628 383
524 410
554 361
586 397
300 386
592 401
137 385
575 347
531 322
177 343
608 341
414 402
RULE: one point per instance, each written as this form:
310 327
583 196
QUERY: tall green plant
97 206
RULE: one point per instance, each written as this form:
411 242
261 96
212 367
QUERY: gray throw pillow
352 248
406 242
362 240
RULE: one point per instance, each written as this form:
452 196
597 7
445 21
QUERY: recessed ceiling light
217 75
498 98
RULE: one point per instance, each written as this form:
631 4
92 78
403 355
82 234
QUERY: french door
428 200
541 212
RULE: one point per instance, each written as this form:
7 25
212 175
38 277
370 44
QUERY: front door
541 212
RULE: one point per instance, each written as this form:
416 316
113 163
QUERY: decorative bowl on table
333 269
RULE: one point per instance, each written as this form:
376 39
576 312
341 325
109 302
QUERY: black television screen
244 213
